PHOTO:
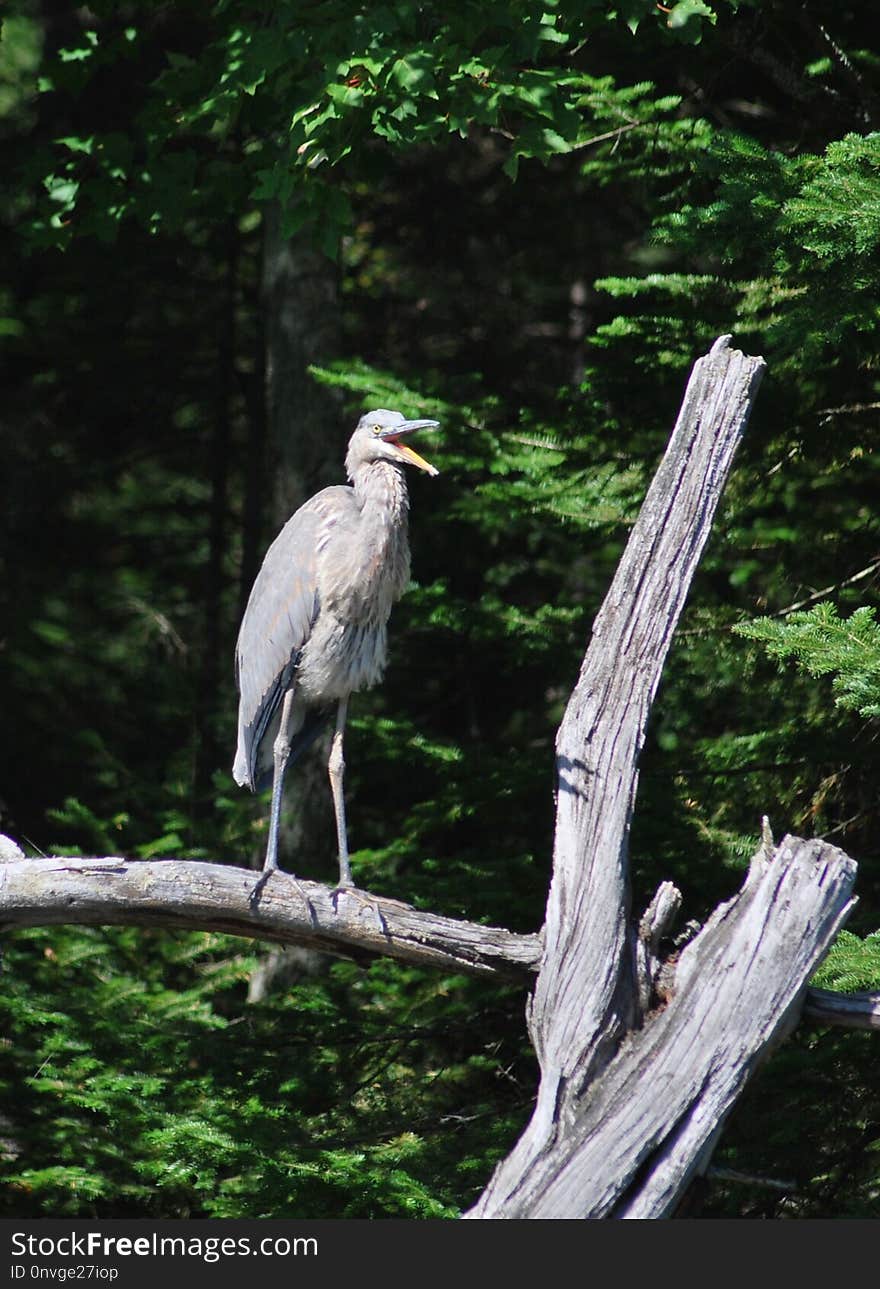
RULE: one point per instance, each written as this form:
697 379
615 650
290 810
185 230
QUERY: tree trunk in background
252 541
306 423
214 660
306 433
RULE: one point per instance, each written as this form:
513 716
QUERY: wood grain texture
587 994
214 897
630 1105
650 1121
850 1011
584 996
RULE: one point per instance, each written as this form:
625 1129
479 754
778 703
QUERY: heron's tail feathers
240 771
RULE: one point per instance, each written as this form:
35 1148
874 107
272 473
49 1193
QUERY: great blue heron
315 626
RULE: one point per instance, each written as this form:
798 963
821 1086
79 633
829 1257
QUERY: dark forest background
228 229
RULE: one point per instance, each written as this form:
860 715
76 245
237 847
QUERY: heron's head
380 437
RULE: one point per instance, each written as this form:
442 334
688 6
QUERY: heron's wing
277 622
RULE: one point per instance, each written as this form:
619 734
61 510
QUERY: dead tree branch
179 894
650 1122
850 1011
577 1019
626 1116
215 897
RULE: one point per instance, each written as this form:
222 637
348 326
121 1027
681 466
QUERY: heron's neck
380 491
381 554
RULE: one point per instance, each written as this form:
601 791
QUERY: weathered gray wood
656 922
214 897
49 892
578 1016
650 1121
9 850
851 1011
586 995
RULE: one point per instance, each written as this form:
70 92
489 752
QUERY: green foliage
824 644
541 213
853 964
309 90
148 1092
21 40
792 243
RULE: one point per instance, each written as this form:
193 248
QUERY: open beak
394 435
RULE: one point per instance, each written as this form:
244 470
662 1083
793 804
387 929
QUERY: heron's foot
256 893
270 870
350 891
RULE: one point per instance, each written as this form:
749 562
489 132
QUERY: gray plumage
315 627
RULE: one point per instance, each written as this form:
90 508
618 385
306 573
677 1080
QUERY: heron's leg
281 753
336 770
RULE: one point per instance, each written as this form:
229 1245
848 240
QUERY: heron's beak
393 436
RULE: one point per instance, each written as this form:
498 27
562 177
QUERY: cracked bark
626 1116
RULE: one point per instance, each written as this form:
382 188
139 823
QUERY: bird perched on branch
315 626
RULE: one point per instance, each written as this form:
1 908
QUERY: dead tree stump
629 1104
